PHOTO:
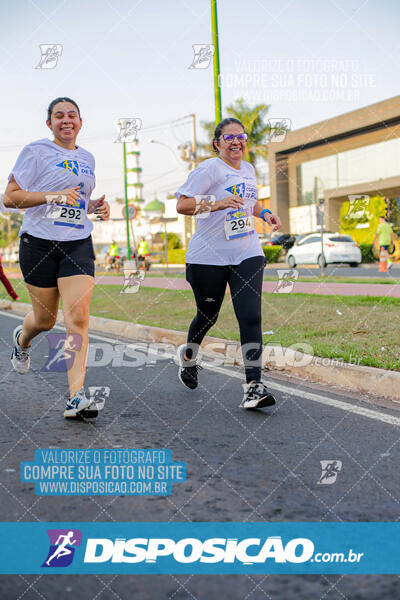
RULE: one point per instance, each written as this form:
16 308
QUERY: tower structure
133 171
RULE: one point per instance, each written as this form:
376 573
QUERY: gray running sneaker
188 369
19 356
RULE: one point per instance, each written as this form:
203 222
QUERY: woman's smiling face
65 123
231 151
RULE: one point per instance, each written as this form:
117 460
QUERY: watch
263 212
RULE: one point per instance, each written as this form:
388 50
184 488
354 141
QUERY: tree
13 228
259 131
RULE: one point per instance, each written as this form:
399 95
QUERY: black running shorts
42 261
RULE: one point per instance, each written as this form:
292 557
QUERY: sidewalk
322 289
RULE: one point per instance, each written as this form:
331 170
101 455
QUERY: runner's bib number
238 223
70 216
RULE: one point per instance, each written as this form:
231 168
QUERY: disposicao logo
62 547
192 550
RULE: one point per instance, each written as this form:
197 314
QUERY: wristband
263 212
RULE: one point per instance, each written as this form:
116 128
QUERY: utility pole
194 143
128 241
190 222
320 206
217 88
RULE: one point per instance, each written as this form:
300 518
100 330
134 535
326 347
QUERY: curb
381 382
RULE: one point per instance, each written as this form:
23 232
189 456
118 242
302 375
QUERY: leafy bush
174 241
272 253
175 257
367 255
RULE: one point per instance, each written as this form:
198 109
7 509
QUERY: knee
207 318
45 323
213 319
77 318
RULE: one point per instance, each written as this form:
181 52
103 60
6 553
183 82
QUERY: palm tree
253 119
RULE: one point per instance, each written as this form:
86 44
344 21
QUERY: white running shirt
43 166
209 245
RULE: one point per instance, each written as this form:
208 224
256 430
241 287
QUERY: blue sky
310 60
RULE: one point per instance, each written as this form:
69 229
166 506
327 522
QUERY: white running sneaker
256 395
19 356
78 403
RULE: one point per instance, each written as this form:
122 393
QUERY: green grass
365 325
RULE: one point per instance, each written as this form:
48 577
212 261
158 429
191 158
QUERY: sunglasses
229 137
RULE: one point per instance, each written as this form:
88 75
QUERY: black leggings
245 282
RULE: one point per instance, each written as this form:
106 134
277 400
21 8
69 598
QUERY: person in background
385 236
112 252
143 248
3 278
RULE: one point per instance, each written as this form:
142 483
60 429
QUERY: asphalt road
241 466
362 271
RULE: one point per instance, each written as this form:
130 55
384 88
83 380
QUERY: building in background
355 154
264 199
140 227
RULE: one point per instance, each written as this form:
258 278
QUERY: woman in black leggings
225 249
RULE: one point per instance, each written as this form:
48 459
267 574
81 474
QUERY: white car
338 248
10 255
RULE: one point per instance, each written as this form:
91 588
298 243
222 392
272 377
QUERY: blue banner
213 548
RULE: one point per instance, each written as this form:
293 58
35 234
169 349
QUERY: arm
100 207
15 197
376 235
272 220
190 206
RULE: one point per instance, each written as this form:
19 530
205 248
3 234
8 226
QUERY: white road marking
339 404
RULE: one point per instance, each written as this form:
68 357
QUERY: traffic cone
383 258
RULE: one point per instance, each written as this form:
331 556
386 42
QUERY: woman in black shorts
53 181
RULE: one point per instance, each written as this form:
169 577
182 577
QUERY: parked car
282 239
338 248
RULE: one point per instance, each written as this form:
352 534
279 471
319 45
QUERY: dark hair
219 128
56 101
